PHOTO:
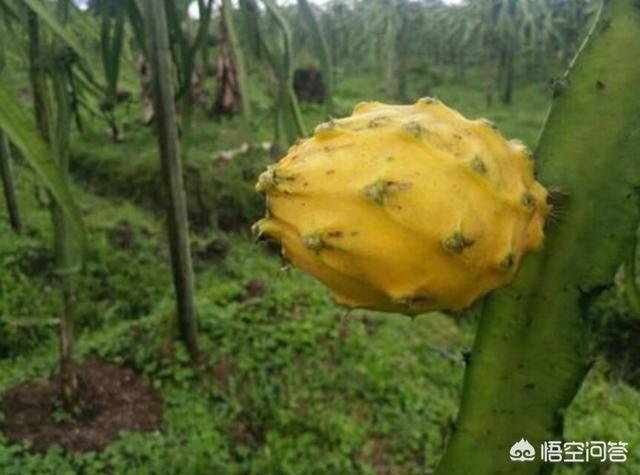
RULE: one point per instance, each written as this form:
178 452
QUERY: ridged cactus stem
392 60
112 35
171 170
238 59
287 102
530 354
321 49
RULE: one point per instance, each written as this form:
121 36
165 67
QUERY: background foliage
289 384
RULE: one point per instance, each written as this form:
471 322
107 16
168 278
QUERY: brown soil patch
112 398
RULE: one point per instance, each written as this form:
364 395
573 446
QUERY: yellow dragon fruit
406 208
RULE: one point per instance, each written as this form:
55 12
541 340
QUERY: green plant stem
56 134
185 51
171 166
134 14
64 239
391 47
8 183
37 76
288 104
630 280
402 52
237 56
65 248
531 351
111 42
322 50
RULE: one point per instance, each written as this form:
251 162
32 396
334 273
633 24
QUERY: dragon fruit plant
416 208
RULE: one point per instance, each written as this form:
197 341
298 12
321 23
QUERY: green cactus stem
321 48
238 59
288 116
171 171
530 355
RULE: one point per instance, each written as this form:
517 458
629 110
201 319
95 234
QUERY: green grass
289 385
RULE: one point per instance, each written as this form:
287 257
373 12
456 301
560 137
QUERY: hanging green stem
184 51
630 280
37 75
111 42
402 51
136 21
391 49
9 184
237 56
249 26
284 71
322 50
20 131
6 168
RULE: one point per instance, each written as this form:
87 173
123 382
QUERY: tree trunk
9 185
171 166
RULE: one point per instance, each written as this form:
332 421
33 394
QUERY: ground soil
111 399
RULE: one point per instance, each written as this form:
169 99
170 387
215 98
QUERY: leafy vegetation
284 381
